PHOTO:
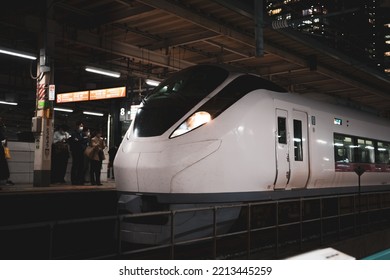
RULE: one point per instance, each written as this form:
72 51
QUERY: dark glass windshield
234 91
194 83
174 97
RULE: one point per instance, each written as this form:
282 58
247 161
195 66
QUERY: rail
269 229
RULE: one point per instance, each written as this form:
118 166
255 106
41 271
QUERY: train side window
383 152
282 130
344 148
366 150
298 150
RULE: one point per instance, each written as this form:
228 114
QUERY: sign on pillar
42 127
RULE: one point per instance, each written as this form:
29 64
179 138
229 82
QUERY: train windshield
192 84
173 98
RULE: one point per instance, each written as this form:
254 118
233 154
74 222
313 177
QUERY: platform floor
66 187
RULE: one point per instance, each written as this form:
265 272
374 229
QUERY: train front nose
142 166
149 167
125 169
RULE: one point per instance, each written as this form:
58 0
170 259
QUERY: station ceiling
152 39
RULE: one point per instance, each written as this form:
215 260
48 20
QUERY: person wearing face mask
60 155
78 143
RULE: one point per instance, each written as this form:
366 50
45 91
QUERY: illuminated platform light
93 113
102 72
63 109
17 53
152 82
9 103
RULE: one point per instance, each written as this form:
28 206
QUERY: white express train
210 135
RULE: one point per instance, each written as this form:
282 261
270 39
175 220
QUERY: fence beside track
265 230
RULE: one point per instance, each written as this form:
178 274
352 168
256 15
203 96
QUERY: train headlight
196 120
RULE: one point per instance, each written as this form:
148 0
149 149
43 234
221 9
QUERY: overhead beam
121 16
259 35
184 40
146 56
201 20
89 20
228 49
237 6
305 40
213 25
246 11
346 79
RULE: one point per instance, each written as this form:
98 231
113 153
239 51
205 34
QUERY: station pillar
43 125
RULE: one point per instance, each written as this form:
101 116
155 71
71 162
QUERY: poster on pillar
41 96
52 92
44 140
47 141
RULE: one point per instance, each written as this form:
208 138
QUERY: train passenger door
282 150
299 160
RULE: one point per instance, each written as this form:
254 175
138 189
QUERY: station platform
55 188
21 167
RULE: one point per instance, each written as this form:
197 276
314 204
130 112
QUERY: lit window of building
274 11
359 28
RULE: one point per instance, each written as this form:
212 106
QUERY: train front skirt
175 223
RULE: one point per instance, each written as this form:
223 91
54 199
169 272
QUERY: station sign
89 95
107 93
127 112
72 97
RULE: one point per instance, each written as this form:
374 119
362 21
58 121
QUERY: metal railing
271 229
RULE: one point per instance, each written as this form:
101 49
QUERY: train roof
314 101
329 107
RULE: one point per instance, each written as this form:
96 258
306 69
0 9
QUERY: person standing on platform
111 156
86 166
97 144
4 170
77 146
60 155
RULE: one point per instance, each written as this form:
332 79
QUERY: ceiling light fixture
17 53
151 82
102 71
93 113
63 109
9 103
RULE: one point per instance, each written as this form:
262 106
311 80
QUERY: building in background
359 28
384 22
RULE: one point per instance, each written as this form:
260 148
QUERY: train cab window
234 91
173 98
344 148
383 152
187 85
366 151
298 150
282 130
